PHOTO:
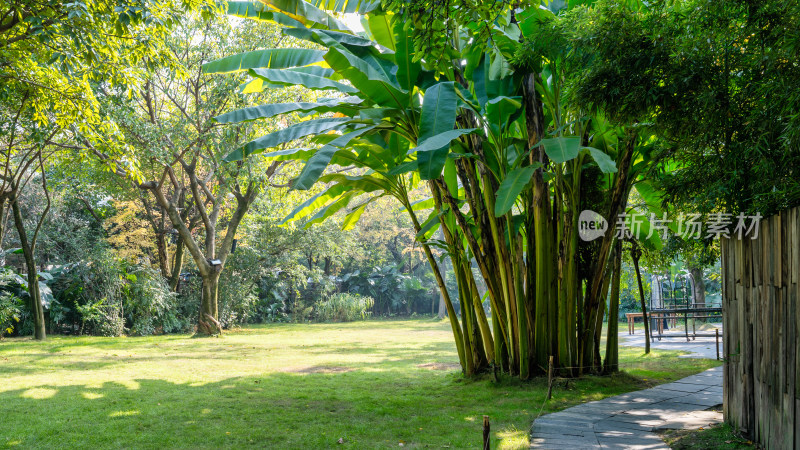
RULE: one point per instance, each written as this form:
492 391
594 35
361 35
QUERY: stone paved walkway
628 420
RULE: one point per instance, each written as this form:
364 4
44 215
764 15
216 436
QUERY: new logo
591 225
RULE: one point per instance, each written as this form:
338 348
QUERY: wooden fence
761 318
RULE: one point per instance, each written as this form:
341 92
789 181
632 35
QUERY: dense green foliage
717 80
192 166
103 275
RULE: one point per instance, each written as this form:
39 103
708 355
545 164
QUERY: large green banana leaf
273 58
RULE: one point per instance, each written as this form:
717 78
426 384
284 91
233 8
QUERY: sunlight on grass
39 393
512 439
92 395
124 413
373 384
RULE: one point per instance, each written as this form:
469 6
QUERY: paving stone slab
563 431
634 445
645 421
586 439
676 407
576 418
623 434
602 408
658 413
705 403
693 421
682 387
563 422
552 445
566 442
712 390
708 380
627 436
655 395
612 425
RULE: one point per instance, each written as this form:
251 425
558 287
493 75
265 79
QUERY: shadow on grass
312 409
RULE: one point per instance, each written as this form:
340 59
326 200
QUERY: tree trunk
698 287
328 266
177 266
442 307
595 289
37 310
611 363
636 253
207 322
163 258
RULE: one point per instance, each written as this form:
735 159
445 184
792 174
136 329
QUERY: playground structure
672 301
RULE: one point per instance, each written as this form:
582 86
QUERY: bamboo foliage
507 163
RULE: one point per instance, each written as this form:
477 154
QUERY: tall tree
24 153
178 149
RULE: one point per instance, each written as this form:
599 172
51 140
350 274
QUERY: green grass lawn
373 384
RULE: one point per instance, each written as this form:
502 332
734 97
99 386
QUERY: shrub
89 294
344 307
102 319
102 295
10 310
273 297
238 288
150 307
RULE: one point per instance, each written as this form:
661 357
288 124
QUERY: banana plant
504 155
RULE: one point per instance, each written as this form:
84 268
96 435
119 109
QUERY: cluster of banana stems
539 305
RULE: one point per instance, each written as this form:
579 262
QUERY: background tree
73 46
179 149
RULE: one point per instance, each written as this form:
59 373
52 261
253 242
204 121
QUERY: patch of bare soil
440 366
320 369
